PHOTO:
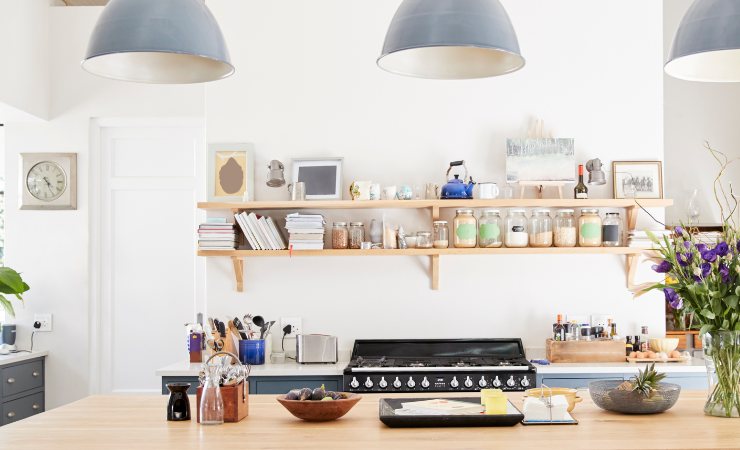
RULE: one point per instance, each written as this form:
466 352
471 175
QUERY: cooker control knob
354 384
510 382
468 382
525 381
496 382
382 384
411 383
397 383
454 383
369 383
425 383
482 382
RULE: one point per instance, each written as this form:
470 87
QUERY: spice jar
441 234
516 229
489 229
540 228
589 228
612 230
466 229
356 234
423 239
565 229
339 235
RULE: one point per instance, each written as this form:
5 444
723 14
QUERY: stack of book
306 231
640 239
708 237
216 234
260 232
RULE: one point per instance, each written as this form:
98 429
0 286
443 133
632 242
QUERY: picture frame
57 191
532 161
230 169
637 179
323 177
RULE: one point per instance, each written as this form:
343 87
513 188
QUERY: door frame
97 370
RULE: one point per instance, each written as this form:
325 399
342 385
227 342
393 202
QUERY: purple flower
678 231
737 246
664 267
703 247
724 270
709 256
687 245
706 269
722 249
684 259
673 298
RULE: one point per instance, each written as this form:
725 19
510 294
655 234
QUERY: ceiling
81 2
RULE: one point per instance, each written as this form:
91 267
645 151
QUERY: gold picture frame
637 179
230 172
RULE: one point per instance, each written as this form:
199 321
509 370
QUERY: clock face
46 181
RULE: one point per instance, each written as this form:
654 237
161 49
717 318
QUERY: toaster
315 348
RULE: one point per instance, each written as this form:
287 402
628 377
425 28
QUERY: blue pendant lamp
451 39
707 43
158 41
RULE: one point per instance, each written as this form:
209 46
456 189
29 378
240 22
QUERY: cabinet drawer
17 379
281 385
574 383
21 408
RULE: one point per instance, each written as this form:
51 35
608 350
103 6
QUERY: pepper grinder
178 408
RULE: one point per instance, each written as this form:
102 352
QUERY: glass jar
612 230
441 234
423 239
356 234
589 228
540 228
565 229
516 229
466 229
211 402
489 229
339 235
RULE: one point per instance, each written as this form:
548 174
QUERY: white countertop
20 357
286 369
694 366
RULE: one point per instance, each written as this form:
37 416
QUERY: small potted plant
644 393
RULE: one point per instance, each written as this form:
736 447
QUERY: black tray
389 417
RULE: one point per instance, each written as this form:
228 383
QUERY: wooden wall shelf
631 206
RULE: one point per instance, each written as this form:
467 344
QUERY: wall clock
48 181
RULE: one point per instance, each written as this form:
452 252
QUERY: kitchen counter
20 357
125 422
287 369
694 365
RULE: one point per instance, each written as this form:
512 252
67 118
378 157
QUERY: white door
149 282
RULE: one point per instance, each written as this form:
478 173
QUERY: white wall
695 113
307 85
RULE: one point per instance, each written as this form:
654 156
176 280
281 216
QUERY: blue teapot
457 188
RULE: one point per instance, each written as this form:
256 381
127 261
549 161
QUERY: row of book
640 238
306 231
216 234
260 232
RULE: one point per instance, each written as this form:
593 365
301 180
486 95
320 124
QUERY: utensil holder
252 351
235 397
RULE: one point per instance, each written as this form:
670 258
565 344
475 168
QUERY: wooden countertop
137 422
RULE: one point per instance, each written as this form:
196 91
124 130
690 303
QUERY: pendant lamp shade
707 43
451 39
158 41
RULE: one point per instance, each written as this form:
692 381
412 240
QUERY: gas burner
416 364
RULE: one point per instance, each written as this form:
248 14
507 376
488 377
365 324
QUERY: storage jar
565 229
489 229
466 229
516 229
339 235
540 228
423 239
356 234
441 234
589 228
612 230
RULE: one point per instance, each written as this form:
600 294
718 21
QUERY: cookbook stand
540 187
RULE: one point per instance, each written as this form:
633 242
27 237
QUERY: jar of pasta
466 229
356 234
339 235
540 228
589 228
489 229
564 229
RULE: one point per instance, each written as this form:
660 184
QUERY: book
439 406
306 237
242 221
262 222
276 233
212 220
254 226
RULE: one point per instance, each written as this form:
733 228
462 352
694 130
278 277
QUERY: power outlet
295 322
44 320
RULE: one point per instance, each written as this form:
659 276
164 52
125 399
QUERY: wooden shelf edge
429 252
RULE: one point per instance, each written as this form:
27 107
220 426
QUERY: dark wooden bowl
317 410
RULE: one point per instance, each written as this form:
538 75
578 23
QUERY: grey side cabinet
268 385
21 390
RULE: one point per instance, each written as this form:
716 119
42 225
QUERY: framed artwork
48 181
546 160
230 172
637 179
323 177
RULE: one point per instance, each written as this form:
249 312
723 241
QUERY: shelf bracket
632 263
632 218
434 267
238 272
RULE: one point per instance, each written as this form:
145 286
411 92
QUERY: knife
240 328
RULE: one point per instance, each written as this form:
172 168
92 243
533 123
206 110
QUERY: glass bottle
612 230
644 339
580 191
540 228
376 232
589 228
564 229
466 229
558 329
356 234
441 234
211 402
516 229
489 229
339 235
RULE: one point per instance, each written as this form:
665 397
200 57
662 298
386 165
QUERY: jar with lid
489 229
589 228
356 234
423 239
441 234
612 230
540 228
565 229
339 235
516 229
466 229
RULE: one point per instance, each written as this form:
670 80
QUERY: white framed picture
638 179
323 177
230 172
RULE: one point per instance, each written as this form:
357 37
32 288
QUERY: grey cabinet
268 385
21 390
689 381
23 407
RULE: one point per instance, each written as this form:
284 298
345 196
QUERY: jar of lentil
441 234
612 230
339 235
423 239
540 228
565 229
489 229
356 234
589 228
466 229
516 229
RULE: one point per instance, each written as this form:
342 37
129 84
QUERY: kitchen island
126 422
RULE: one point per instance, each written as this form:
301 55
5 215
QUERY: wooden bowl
666 345
570 395
318 410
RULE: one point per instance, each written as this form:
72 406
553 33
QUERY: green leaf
7 306
737 291
11 282
706 329
732 301
708 314
652 237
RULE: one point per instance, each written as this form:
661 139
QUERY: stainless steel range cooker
438 365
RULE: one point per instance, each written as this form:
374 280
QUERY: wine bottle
558 329
581 191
